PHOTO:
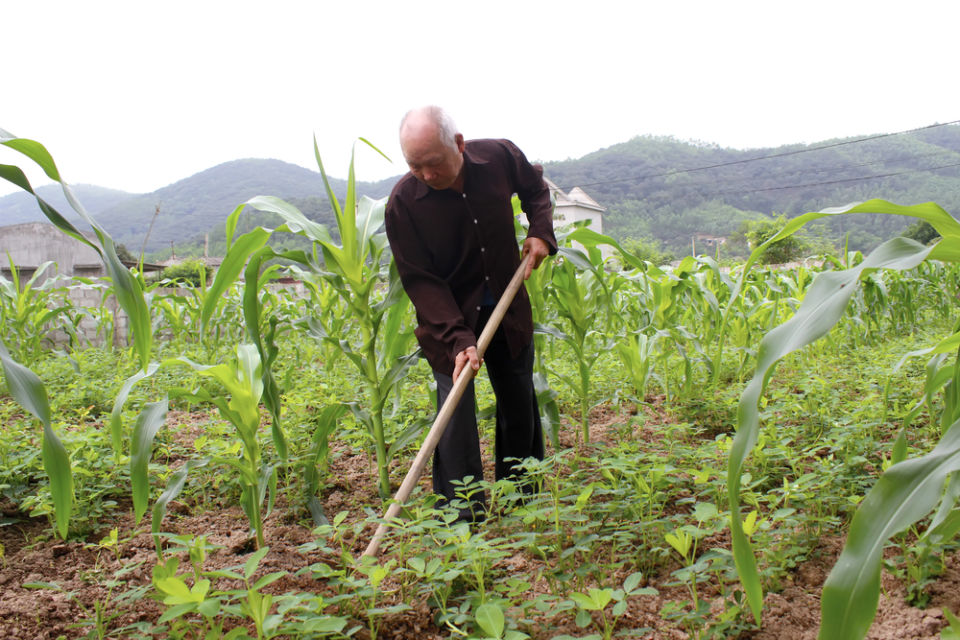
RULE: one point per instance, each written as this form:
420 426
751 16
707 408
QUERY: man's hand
465 357
537 249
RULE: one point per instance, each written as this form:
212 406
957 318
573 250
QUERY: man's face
431 161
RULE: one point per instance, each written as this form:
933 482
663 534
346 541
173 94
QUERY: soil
81 568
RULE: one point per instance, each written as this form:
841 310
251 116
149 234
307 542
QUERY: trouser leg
457 455
519 434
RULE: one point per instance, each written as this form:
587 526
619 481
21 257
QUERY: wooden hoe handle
446 411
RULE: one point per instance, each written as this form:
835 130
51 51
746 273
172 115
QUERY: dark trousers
518 431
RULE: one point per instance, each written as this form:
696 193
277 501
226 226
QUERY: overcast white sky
137 95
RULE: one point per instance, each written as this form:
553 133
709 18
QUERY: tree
788 249
188 272
921 231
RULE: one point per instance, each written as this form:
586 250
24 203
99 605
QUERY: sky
138 95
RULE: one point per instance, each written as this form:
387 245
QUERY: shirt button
478 308
486 277
483 248
474 221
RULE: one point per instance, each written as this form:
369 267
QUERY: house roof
576 197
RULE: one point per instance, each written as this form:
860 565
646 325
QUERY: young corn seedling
242 380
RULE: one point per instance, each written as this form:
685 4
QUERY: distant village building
577 206
705 242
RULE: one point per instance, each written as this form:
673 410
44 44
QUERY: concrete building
576 206
30 244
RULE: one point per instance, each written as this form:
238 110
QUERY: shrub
189 272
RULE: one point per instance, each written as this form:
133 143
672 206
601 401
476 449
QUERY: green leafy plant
242 379
194 272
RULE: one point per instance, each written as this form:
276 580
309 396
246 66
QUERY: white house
575 206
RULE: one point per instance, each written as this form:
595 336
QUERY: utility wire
781 154
830 182
836 168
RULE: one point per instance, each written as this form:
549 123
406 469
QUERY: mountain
22 207
203 201
652 187
670 190
188 207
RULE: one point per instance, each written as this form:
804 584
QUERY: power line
839 168
831 182
781 154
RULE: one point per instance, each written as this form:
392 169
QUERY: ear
458 140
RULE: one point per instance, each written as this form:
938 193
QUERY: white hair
446 127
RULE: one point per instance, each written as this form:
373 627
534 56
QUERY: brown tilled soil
81 568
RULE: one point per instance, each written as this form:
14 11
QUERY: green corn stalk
27 309
355 267
850 594
578 298
636 350
28 390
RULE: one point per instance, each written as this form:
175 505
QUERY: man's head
432 147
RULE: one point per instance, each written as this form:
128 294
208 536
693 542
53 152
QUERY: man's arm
535 201
437 309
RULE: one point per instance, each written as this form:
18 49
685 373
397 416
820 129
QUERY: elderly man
450 226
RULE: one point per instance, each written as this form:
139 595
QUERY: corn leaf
116 424
174 486
28 390
821 309
149 421
903 495
127 288
233 263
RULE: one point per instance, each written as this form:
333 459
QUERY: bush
791 248
648 249
189 272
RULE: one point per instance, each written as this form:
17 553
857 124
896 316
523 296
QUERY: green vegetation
194 272
648 194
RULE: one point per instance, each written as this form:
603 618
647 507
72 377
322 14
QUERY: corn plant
27 310
243 380
128 288
578 298
355 267
906 491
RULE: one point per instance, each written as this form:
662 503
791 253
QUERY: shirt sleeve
534 197
438 314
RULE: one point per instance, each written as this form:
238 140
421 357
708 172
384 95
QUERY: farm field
752 452
603 514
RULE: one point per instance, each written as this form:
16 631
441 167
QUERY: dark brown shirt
452 247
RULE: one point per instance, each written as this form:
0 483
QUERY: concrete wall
575 213
93 332
32 243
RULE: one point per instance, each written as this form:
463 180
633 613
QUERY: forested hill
658 188
670 190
